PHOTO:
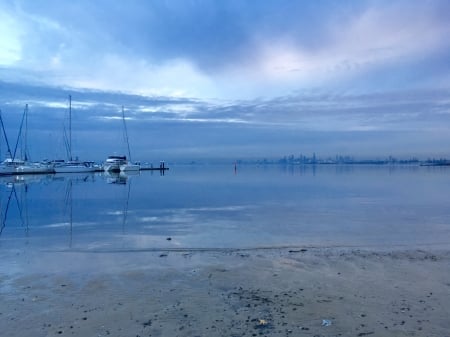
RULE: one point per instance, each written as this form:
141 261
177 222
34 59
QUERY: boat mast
70 127
6 137
126 134
20 132
25 146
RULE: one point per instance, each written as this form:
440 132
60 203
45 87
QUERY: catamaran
114 162
120 163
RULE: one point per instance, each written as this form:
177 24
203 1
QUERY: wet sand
267 292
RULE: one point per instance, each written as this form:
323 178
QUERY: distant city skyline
228 79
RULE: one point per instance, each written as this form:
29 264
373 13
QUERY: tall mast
25 154
20 136
126 134
6 137
70 127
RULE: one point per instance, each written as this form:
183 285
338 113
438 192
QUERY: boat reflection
26 179
4 210
47 207
119 178
15 194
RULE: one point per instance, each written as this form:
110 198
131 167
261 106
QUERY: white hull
9 166
4 169
30 169
73 169
130 167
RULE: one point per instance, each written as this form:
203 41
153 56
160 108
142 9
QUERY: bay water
218 207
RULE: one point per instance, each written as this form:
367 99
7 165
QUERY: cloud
206 77
143 78
10 46
306 110
232 49
376 37
398 122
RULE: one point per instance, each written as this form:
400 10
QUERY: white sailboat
34 168
117 163
13 165
72 166
9 165
29 167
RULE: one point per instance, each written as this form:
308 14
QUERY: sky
227 79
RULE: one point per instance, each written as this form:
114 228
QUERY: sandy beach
261 292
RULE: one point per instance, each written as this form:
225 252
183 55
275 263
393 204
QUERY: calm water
215 207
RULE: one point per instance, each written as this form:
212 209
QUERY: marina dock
39 168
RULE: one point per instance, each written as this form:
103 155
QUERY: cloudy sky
228 79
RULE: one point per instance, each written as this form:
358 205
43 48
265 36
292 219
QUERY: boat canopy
118 157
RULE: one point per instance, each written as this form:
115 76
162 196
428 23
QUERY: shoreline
260 292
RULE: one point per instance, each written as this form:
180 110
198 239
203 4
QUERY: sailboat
72 166
13 165
120 163
27 166
9 165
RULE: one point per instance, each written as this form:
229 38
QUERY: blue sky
229 79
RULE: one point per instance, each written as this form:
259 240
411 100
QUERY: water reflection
51 199
4 210
119 178
212 207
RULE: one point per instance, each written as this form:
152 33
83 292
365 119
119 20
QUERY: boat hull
9 166
111 167
74 169
34 169
5 170
130 168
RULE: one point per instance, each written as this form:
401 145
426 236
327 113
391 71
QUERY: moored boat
120 163
34 168
73 166
114 162
11 163
9 166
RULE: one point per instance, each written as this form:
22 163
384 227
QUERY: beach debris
262 322
148 323
326 322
